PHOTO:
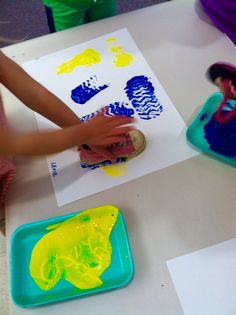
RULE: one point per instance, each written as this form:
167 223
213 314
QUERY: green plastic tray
195 132
24 291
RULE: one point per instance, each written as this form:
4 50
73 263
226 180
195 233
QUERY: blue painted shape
88 89
104 163
222 137
119 109
113 109
141 93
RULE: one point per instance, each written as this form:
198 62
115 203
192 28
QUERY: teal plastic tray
24 291
196 132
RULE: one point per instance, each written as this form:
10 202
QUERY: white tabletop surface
168 213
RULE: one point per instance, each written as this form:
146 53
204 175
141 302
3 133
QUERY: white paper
205 280
165 134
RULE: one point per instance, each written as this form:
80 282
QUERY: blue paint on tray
113 109
222 137
88 89
203 117
141 93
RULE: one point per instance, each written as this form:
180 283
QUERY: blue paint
222 137
104 163
85 91
113 109
120 109
89 116
141 93
204 116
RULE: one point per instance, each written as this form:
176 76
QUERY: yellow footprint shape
121 57
87 58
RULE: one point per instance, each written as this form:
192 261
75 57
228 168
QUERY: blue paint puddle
105 163
88 89
222 137
113 109
141 93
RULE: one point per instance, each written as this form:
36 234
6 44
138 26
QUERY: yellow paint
77 249
115 170
87 58
121 57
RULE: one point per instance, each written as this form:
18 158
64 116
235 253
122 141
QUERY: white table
168 213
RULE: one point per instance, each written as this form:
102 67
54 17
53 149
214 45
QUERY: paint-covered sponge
78 250
223 70
133 144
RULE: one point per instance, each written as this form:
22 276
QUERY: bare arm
34 95
100 130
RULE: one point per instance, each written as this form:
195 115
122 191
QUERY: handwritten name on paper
54 169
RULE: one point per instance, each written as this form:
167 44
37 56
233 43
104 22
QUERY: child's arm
39 99
100 130
34 95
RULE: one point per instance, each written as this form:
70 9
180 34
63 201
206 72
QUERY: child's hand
104 130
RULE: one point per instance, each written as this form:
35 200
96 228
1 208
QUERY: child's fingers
116 121
119 131
112 139
102 111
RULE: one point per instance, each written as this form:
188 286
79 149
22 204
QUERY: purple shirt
223 15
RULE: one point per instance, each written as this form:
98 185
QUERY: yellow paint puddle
77 250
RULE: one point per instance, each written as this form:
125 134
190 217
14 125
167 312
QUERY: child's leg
66 16
101 9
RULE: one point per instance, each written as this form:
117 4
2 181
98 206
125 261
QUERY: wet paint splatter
120 57
87 58
141 93
113 109
222 137
88 89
